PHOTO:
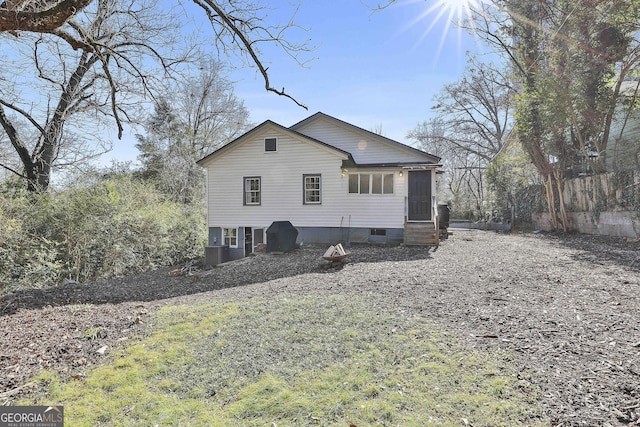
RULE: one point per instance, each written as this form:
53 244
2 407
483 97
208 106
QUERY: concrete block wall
620 223
606 204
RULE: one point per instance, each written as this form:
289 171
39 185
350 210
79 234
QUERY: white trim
265 144
248 191
304 188
371 174
224 236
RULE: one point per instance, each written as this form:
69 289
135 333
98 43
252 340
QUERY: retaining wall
607 204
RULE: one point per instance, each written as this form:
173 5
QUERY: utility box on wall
214 255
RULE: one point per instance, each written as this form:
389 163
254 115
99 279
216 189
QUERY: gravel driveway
567 307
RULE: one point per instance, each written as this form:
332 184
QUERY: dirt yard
566 307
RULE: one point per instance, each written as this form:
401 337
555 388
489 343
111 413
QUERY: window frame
356 179
384 182
306 191
230 237
247 191
374 185
368 179
275 145
380 232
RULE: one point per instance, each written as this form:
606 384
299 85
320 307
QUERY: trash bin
443 214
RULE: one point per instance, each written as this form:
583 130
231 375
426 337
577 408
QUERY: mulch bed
566 307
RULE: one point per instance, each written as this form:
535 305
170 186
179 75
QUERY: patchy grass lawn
294 361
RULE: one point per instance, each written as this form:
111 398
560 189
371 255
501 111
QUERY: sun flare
452 12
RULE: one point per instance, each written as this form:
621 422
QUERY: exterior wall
333 235
360 145
341 216
317 235
281 175
215 236
215 239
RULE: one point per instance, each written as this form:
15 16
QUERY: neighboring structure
608 203
334 181
623 147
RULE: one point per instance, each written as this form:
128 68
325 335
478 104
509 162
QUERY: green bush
111 227
27 259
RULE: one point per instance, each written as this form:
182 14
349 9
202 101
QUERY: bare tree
204 114
239 26
211 113
475 111
80 90
40 16
473 117
462 185
377 129
100 56
569 59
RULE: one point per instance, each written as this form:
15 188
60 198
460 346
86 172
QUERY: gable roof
262 126
320 116
429 159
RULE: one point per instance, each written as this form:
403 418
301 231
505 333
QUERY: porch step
420 233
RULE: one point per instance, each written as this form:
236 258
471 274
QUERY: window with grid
312 189
252 190
231 237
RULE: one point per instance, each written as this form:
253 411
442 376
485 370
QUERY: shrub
121 226
110 227
28 258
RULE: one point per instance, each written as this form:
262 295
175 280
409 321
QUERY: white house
335 182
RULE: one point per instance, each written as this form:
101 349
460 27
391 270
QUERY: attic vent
270 144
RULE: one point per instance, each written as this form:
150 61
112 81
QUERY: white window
270 145
371 183
252 190
376 183
387 185
365 179
353 183
312 189
230 236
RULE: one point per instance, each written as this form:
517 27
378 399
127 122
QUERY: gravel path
566 307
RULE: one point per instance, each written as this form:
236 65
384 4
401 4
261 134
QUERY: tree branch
23 113
15 172
15 139
42 21
246 44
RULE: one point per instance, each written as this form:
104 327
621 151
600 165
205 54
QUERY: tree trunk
566 220
37 165
551 201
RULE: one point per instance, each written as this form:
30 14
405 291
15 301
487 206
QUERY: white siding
364 147
281 175
374 210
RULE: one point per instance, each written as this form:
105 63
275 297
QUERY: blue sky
370 69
